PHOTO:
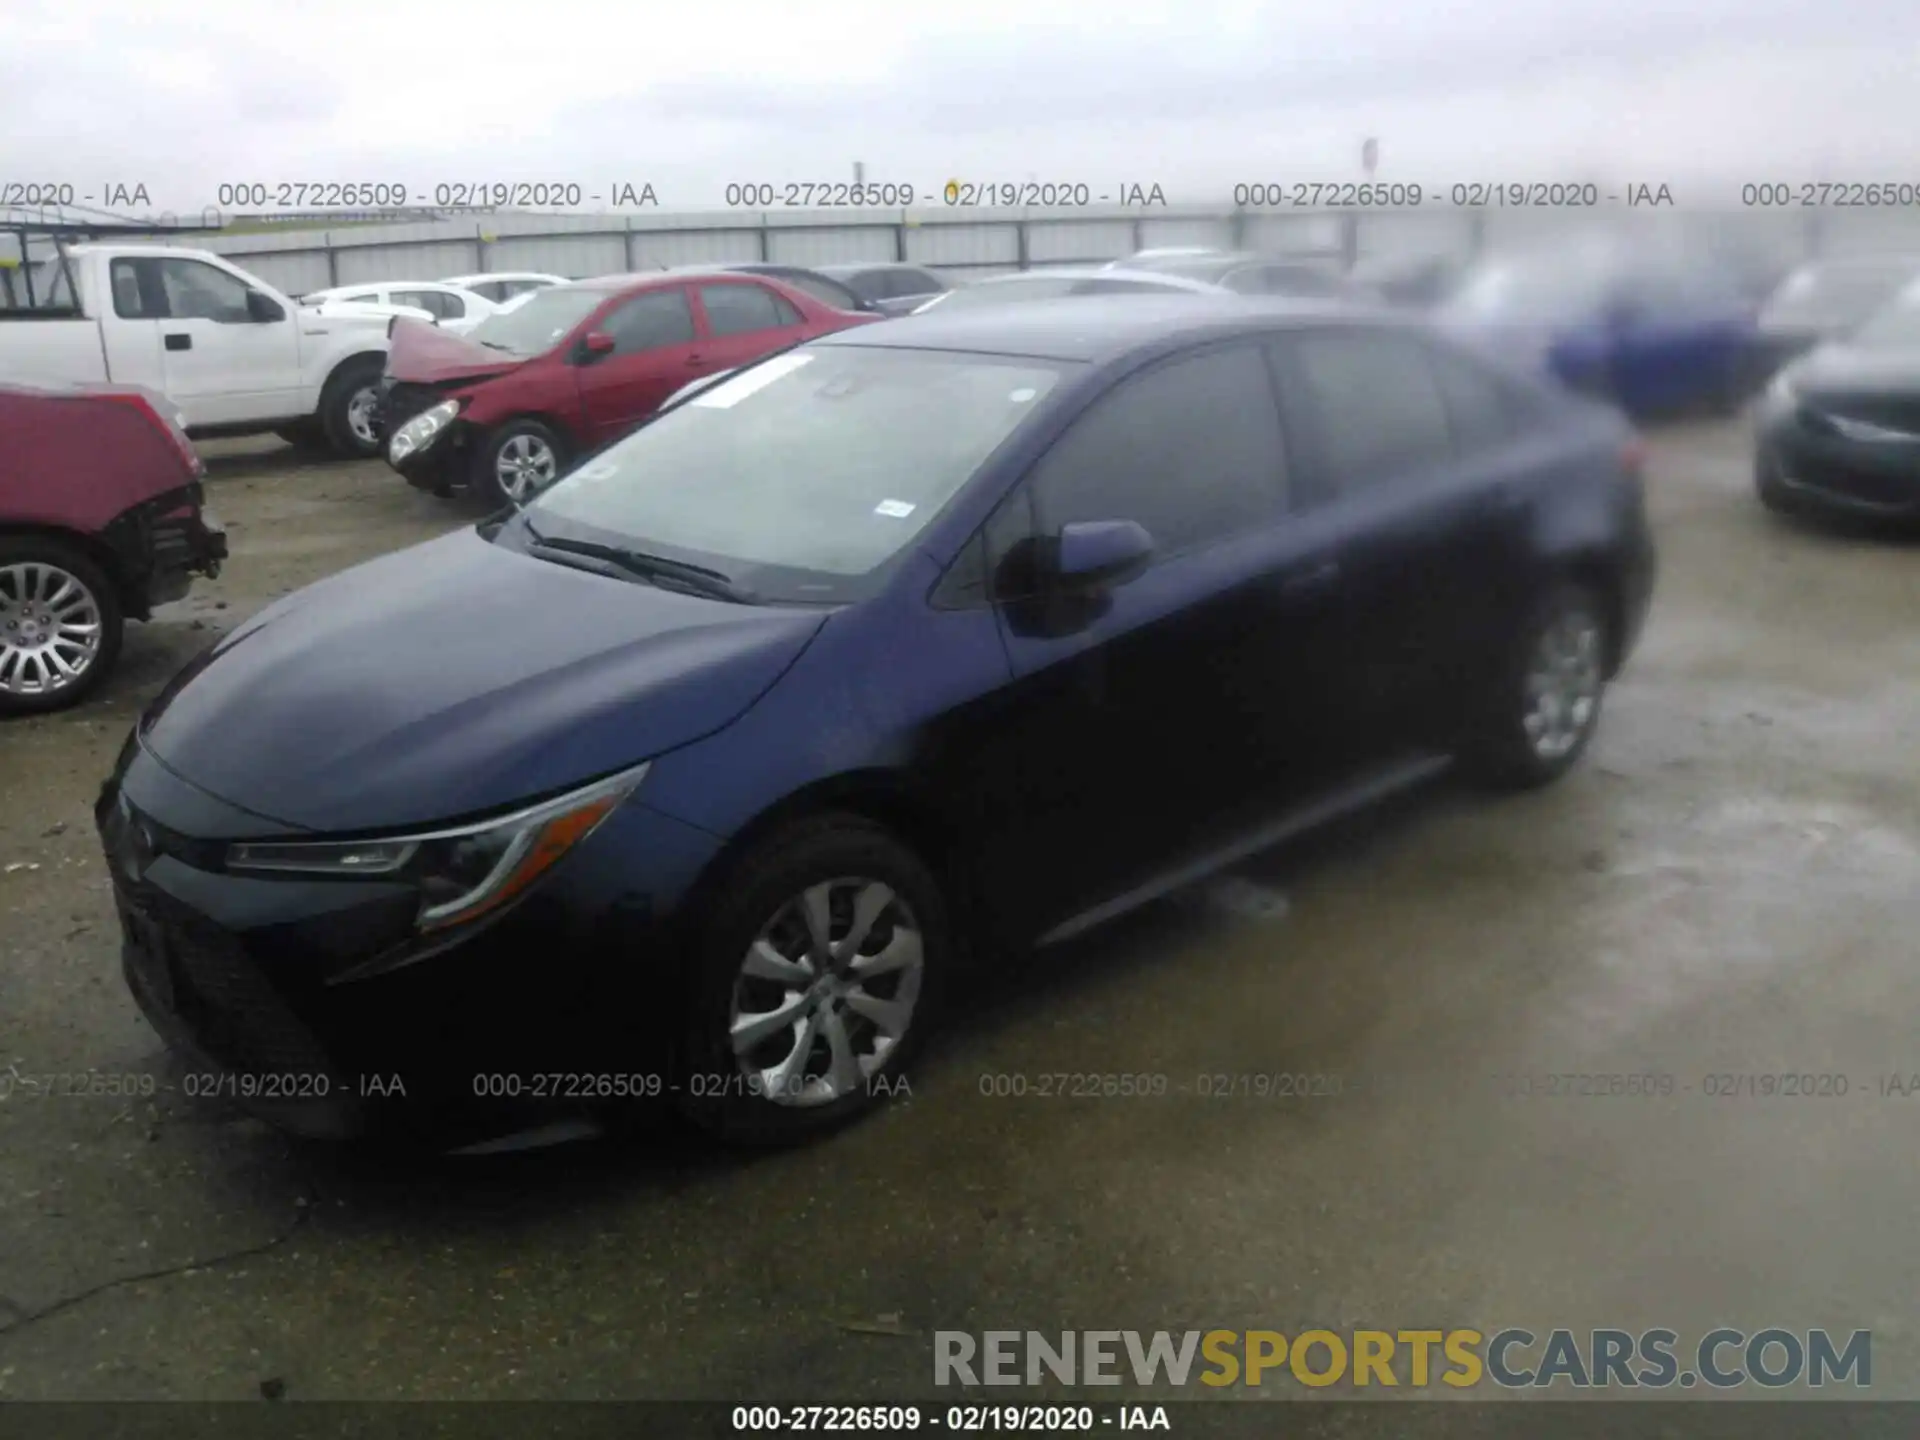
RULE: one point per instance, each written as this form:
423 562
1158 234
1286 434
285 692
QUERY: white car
499 285
449 306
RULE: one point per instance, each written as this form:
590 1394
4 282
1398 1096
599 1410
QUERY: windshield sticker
729 393
893 509
1023 394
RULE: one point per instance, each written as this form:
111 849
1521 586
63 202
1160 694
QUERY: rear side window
650 321
1481 410
1375 404
1191 449
743 308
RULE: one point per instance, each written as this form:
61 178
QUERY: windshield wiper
496 345
654 569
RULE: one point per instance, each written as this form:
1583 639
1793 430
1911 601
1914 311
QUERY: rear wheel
818 978
60 625
1547 703
348 404
517 462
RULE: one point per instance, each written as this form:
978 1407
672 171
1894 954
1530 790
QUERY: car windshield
1837 295
539 322
802 473
1895 326
1530 292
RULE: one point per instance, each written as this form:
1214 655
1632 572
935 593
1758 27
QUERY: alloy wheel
1563 684
50 629
826 993
360 415
526 463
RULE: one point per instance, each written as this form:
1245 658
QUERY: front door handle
1312 579
179 342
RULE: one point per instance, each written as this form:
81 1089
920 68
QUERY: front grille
219 995
399 402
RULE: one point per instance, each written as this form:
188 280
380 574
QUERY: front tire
818 975
348 403
517 462
1546 705
60 625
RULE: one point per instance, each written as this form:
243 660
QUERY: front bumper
1831 474
445 463
564 1007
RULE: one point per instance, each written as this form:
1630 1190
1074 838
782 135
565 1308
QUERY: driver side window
196 290
1191 449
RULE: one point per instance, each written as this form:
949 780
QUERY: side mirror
595 344
1094 554
263 309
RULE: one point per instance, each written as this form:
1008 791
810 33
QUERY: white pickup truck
234 354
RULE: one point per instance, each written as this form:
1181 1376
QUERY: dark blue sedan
700 778
1652 334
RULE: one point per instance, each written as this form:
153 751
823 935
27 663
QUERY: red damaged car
100 521
505 408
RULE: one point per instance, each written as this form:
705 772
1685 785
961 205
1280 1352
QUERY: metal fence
978 243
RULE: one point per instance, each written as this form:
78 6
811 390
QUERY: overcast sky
1195 95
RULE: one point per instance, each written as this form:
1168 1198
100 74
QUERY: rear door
1148 723
218 363
743 321
1411 512
656 350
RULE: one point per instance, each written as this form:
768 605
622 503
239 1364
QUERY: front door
656 350
221 362
1144 724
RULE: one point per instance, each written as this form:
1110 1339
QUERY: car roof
861 267
1096 272
1083 328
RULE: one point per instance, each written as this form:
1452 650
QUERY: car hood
428 355
1859 370
455 678
364 313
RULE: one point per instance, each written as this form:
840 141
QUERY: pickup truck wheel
347 407
60 625
518 461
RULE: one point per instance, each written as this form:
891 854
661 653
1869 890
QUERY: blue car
1652 335
699 779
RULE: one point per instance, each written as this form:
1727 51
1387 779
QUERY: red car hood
426 354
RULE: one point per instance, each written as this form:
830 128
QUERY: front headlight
461 873
421 430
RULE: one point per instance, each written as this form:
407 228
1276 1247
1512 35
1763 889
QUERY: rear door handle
179 342
1312 579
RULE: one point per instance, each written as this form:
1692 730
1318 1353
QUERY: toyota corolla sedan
699 778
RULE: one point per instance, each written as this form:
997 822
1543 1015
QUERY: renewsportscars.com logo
1513 1358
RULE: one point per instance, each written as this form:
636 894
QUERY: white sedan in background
449 306
499 285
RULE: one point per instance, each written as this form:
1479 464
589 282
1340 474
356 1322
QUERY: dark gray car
891 289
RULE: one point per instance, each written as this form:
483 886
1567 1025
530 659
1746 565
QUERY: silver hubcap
50 629
526 463
1563 685
826 993
360 415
